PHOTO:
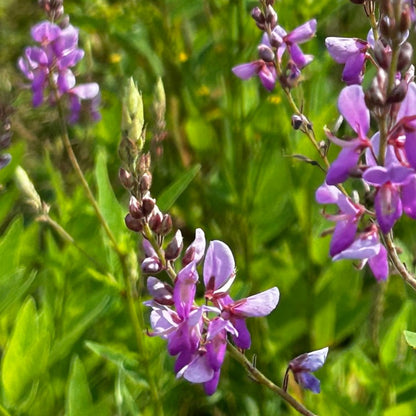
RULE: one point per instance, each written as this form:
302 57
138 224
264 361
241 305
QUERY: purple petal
211 386
377 176
408 198
410 148
298 57
400 175
353 70
390 156
302 33
308 381
86 91
327 194
66 42
407 107
388 207
257 305
379 264
246 71
45 32
219 265
243 340
366 245
216 350
340 169
310 361
65 81
198 370
341 49
195 252
352 106
343 236
70 59
184 290
267 75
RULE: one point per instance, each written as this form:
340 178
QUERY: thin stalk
137 322
395 259
258 376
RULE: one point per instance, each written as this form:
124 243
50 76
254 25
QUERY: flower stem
262 379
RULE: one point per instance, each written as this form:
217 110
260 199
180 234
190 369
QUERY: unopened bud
155 221
126 178
275 40
160 291
265 53
135 208
148 205
405 57
166 225
382 57
27 189
132 119
145 182
296 122
405 20
258 17
143 164
271 16
151 265
174 248
132 223
386 28
398 93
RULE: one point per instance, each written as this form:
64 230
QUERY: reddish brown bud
166 225
148 205
145 182
135 208
174 248
405 57
126 178
265 53
133 223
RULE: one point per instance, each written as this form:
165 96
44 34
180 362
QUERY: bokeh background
66 340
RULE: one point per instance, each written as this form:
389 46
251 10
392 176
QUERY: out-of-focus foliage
67 343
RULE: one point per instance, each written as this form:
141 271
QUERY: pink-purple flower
197 335
47 67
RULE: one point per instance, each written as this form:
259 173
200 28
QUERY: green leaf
62 347
10 249
201 135
26 354
410 338
107 201
172 193
78 399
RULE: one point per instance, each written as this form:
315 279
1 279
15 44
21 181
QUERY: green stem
262 379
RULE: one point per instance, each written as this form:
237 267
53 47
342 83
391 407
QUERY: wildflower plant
137 307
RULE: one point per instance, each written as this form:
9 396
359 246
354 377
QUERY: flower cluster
197 334
280 57
48 68
386 161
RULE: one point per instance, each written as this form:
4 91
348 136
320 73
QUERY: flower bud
155 221
258 17
27 189
166 225
148 205
135 208
132 118
174 248
296 122
275 40
271 16
382 57
160 291
132 223
145 182
405 20
398 93
126 178
405 57
265 53
151 265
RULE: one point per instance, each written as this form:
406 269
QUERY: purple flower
303 365
388 203
352 106
367 248
197 335
50 62
265 71
290 42
351 52
347 217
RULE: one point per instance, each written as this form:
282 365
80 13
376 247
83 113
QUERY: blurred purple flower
50 62
265 71
303 365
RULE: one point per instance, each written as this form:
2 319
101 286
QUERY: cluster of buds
136 177
280 57
48 65
54 9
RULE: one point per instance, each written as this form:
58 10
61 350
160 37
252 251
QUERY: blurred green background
66 340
